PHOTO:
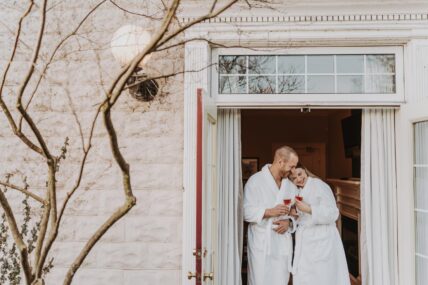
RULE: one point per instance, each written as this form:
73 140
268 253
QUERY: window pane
350 84
261 64
291 84
422 233
350 63
320 64
230 64
262 84
320 84
233 85
284 74
421 143
421 270
291 64
380 63
421 188
421 200
380 84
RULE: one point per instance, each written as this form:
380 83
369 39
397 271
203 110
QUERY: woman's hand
302 206
282 226
294 213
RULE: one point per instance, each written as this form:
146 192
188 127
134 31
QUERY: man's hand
279 210
282 226
302 206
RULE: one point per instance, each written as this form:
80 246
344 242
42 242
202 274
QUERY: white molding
197 54
361 17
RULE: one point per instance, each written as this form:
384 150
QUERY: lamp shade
128 42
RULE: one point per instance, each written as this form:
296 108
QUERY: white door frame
358 31
408 115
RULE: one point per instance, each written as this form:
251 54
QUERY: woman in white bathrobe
319 257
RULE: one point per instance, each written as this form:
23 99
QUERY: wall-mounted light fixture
127 43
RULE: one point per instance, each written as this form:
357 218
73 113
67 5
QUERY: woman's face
299 177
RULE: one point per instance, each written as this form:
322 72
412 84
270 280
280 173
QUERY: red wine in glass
287 202
300 198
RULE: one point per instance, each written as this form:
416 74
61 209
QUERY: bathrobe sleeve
253 207
325 211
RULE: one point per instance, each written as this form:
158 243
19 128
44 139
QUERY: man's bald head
284 153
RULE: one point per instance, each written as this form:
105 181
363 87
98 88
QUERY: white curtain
379 264
230 193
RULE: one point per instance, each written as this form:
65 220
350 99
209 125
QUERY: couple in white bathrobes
319 257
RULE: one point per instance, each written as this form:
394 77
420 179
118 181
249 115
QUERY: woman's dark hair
301 166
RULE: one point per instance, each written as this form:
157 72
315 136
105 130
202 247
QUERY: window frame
310 99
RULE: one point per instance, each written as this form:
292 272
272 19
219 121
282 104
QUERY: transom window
307 74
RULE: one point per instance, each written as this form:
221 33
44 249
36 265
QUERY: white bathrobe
269 253
319 256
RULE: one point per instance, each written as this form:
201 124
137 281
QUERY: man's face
288 166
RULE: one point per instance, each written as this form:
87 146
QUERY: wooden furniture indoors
347 193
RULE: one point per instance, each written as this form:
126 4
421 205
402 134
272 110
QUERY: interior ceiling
291 112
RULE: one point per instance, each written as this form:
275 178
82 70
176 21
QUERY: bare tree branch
58 46
26 192
15 46
151 17
3 105
213 44
196 21
165 76
17 237
26 79
55 228
50 208
213 6
117 215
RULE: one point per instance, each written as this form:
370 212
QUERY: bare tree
19 117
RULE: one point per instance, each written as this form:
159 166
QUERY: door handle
195 275
209 276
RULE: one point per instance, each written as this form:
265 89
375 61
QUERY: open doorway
328 143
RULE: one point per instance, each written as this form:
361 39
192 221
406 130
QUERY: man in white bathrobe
269 244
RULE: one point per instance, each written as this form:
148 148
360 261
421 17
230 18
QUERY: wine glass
287 202
299 197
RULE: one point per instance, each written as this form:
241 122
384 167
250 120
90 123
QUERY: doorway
328 142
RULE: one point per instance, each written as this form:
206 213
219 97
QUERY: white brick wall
145 246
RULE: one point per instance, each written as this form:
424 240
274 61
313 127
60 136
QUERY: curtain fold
229 198
379 254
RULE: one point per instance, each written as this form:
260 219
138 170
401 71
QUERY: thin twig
58 46
164 76
196 21
134 13
213 6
